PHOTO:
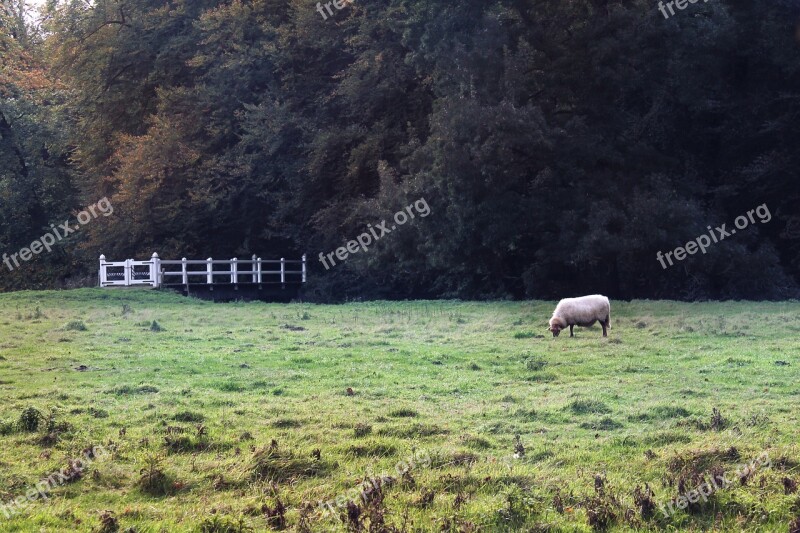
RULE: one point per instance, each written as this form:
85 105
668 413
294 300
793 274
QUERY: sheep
583 311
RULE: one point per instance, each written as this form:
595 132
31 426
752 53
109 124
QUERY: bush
29 419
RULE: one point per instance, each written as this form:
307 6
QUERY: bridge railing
158 272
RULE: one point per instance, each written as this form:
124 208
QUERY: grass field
237 417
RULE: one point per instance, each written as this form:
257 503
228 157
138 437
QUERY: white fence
184 272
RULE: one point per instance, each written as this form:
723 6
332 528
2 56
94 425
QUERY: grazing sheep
583 311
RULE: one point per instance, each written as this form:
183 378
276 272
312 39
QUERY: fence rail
184 272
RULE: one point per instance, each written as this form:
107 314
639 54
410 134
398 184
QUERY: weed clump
717 422
535 364
464 458
6 428
188 416
585 407
519 506
280 466
645 501
476 442
97 413
403 413
371 517
412 431
519 448
75 325
287 423
156 327
125 390
185 443
601 509
604 424
362 430
53 430
276 516
600 514
224 524
108 523
373 449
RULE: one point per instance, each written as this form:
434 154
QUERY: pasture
237 417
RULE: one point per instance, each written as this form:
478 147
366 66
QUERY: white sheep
583 311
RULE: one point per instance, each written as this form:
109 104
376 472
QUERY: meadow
245 416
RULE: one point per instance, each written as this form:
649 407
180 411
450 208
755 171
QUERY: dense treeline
560 145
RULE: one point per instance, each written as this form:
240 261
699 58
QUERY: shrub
29 419
75 325
153 480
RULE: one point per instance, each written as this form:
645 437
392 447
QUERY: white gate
128 273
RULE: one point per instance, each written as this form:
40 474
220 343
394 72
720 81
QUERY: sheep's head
556 325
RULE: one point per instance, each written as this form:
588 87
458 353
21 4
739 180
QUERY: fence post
304 268
209 271
184 272
234 271
155 270
103 276
283 270
128 274
253 269
259 271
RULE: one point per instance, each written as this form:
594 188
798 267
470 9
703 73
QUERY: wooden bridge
203 273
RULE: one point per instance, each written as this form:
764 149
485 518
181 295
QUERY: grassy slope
458 380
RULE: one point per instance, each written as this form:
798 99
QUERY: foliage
30 419
559 145
36 187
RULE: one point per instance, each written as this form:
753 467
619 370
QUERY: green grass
221 416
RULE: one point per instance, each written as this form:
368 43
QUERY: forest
561 145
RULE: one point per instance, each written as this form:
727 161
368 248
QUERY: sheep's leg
570 330
605 325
